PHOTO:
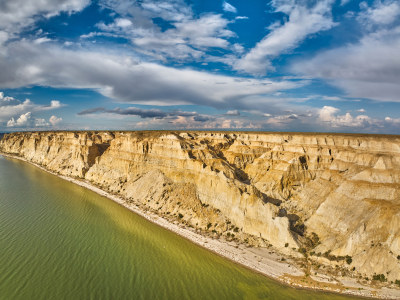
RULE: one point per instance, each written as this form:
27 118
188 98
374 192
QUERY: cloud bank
127 80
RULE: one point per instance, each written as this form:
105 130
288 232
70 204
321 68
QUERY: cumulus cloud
6 100
17 14
11 107
381 13
22 121
369 68
395 122
303 21
123 23
55 120
329 118
26 120
228 7
54 104
329 115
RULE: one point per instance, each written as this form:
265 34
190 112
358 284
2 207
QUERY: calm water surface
61 241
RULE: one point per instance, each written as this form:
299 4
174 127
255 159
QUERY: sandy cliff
334 198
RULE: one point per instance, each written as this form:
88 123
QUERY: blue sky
281 65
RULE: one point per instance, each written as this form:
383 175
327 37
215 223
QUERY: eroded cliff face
331 196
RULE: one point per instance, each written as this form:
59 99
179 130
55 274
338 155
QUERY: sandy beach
266 261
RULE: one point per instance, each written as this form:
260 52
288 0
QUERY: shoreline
265 261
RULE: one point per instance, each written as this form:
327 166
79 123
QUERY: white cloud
55 104
22 121
55 121
367 69
194 122
326 113
382 13
5 100
41 123
393 122
123 22
207 31
282 119
237 48
171 10
11 107
303 21
16 14
186 41
188 38
228 7
42 40
329 115
327 118
26 121
361 110
241 18
332 98
124 79
222 123
233 113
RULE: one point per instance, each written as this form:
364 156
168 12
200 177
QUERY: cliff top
155 133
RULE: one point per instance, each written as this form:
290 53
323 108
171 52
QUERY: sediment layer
333 198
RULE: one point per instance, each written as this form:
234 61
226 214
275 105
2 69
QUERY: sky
280 65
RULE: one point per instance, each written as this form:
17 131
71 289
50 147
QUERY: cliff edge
334 199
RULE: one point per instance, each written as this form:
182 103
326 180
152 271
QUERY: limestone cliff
335 198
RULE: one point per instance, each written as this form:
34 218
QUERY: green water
61 241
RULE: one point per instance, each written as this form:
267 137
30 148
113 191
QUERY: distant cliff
335 198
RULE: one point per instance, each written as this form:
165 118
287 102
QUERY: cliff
334 198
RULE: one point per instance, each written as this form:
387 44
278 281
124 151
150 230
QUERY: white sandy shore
262 260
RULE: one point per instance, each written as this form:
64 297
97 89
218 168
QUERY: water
61 241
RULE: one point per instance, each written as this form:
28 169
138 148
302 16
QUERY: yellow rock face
336 194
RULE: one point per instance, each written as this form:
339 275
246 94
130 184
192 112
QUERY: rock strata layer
335 198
